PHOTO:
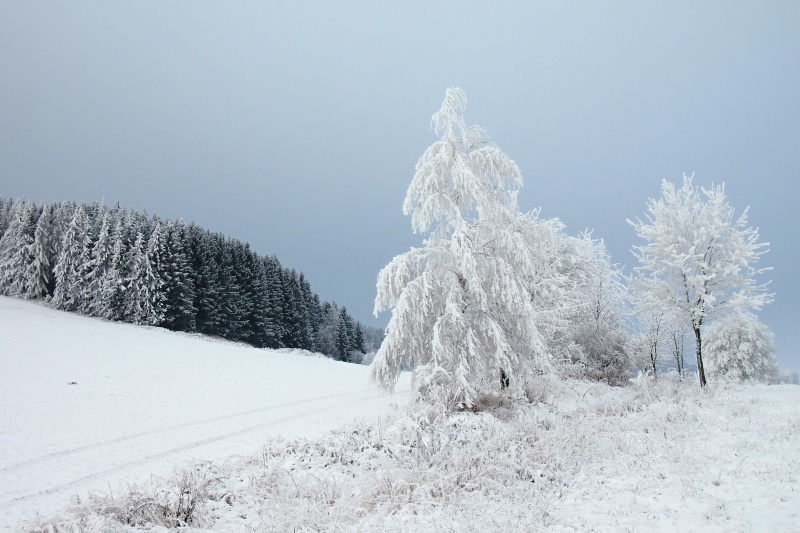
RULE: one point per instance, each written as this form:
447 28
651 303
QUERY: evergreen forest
127 266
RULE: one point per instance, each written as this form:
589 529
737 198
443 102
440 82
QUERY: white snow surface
146 400
268 441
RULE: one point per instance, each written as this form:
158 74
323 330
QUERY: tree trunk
699 353
504 380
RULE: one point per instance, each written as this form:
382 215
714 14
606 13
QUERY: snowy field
145 401
267 441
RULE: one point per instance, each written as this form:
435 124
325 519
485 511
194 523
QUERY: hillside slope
89 404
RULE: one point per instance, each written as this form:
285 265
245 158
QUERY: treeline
127 266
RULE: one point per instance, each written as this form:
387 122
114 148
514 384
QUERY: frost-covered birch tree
462 311
700 260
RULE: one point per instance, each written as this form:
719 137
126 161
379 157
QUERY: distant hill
127 266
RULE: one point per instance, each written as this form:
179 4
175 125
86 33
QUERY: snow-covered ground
145 400
267 442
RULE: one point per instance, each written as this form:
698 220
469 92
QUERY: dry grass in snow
650 456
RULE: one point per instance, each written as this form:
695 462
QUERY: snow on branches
698 259
463 313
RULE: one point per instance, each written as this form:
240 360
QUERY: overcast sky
296 126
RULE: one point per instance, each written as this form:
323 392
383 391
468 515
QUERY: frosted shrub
174 502
592 456
740 347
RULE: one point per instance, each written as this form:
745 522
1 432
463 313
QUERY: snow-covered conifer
145 295
344 334
101 254
112 289
179 291
273 323
39 274
73 260
15 249
153 305
136 282
5 213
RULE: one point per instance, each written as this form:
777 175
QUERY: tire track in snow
64 453
194 444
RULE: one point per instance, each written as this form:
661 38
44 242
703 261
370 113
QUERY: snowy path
146 401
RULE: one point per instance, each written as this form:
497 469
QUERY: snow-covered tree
73 260
145 298
6 211
598 326
699 258
676 337
649 340
652 324
39 273
136 283
16 246
561 265
344 333
179 291
462 311
113 286
102 252
741 347
155 304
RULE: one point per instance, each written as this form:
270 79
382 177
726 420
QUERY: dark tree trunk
699 354
504 381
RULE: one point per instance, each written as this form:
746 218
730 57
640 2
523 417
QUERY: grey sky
296 125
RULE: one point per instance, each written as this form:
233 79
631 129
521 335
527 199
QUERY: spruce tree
98 267
179 311
15 250
39 273
273 324
344 336
113 284
73 260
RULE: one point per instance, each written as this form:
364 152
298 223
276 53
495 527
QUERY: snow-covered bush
595 334
740 346
175 502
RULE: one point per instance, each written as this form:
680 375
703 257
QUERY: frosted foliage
597 329
112 284
38 272
703 256
145 299
16 247
741 347
98 267
461 174
72 265
699 259
462 306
